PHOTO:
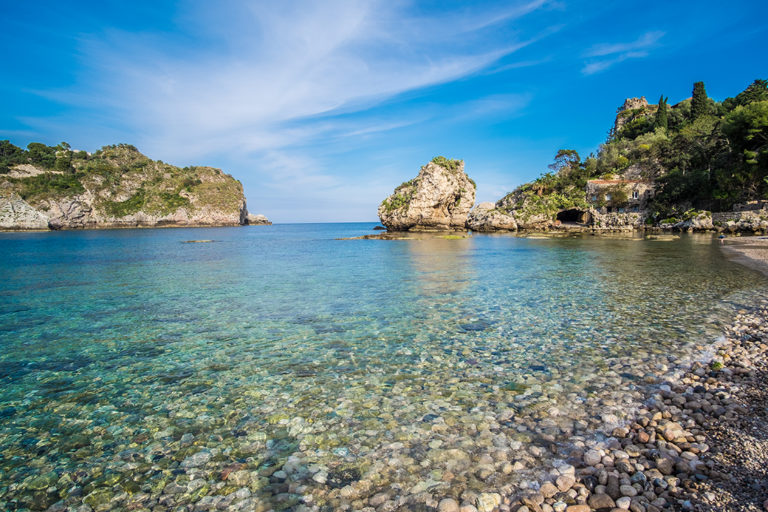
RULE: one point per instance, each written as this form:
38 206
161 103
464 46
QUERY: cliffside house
619 196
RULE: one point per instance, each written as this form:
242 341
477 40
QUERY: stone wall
751 221
723 217
750 206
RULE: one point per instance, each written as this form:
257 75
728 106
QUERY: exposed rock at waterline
257 220
439 198
15 213
615 221
529 211
486 217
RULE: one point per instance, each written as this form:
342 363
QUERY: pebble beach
701 444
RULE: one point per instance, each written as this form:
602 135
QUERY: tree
757 91
565 161
64 158
42 155
661 120
698 101
747 130
10 155
8 150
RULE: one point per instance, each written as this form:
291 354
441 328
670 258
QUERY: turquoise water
307 365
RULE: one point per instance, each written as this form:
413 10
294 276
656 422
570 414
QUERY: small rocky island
57 188
439 198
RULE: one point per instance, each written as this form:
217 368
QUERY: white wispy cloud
274 64
603 56
259 81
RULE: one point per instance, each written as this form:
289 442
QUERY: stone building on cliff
619 195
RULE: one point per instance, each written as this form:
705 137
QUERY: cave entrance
573 216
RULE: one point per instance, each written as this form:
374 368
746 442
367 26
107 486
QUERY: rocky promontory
117 186
439 198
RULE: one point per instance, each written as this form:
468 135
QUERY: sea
290 367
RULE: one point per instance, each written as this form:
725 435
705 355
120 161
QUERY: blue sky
322 108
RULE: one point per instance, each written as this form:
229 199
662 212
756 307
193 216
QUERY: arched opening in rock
573 215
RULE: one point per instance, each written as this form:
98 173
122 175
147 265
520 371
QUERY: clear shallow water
408 365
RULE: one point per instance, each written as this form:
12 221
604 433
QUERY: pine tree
699 101
757 91
661 120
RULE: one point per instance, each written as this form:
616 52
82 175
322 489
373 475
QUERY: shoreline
751 251
126 227
699 444
687 442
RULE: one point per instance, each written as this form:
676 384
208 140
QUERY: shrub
172 202
127 207
189 182
49 185
451 165
398 200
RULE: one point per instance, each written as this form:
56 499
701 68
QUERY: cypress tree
661 120
698 101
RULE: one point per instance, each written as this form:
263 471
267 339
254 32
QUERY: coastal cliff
117 186
697 165
439 198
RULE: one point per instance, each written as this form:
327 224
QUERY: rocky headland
697 165
439 198
114 187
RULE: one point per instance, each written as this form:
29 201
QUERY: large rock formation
257 220
487 217
632 108
118 187
518 210
439 198
15 213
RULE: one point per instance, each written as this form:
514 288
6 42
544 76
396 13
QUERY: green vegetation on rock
120 181
401 197
128 207
701 155
448 163
560 189
48 186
